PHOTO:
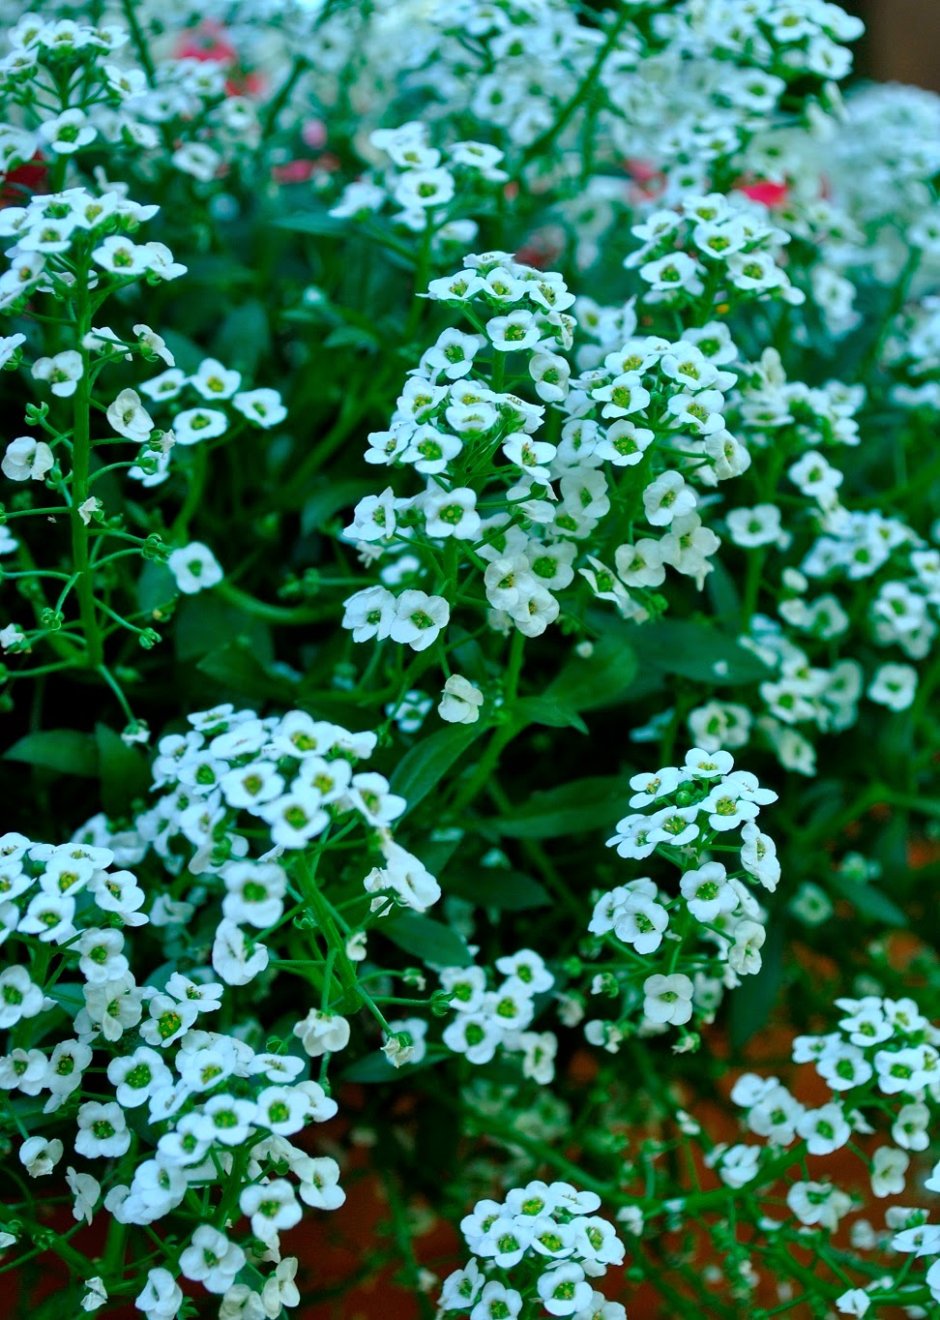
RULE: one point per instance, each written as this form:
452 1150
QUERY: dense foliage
469 599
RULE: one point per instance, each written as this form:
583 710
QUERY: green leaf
493 887
724 595
425 765
431 941
372 1068
325 502
584 804
752 1003
547 710
869 901
313 222
203 622
244 336
698 651
599 679
156 587
353 336
124 771
238 668
68 996
376 1068
65 750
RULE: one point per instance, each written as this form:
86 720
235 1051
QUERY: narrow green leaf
328 499
869 901
65 750
431 941
203 621
237 668
599 679
424 765
752 1003
124 771
510 891
549 711
376 1068
313 222
696 650
584 804
244 336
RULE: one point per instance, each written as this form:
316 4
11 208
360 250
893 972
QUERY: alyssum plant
470 589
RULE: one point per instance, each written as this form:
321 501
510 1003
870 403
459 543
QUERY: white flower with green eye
195 568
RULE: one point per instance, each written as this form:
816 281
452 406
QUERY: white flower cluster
643 427
55 232
234 776
882 1062
791 38
489 1020
525 59
213 384
95 93
545 1243
422 180
696 805
219 1111
721 247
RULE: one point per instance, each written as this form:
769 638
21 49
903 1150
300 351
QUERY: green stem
503 735
81 461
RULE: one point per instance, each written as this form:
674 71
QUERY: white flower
9 344
138 1076
271 1207
120 256
63 371
405 1043
515 332
668 998
451 513
236 959
888 1169
67 132
19 996
894 686
161 1297
474 1035
263 407
564 1290
707 892
213 381
95 1294
760 525
39 1156
197 159
370 613
910 1127
853 1302
280 1292
319 1182
418 619
759 856
738 1165
211 1259
102 1130
495 1300
322 1033
194 425
129 417
824 1130
460 701
195 568
818 1203
26 459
